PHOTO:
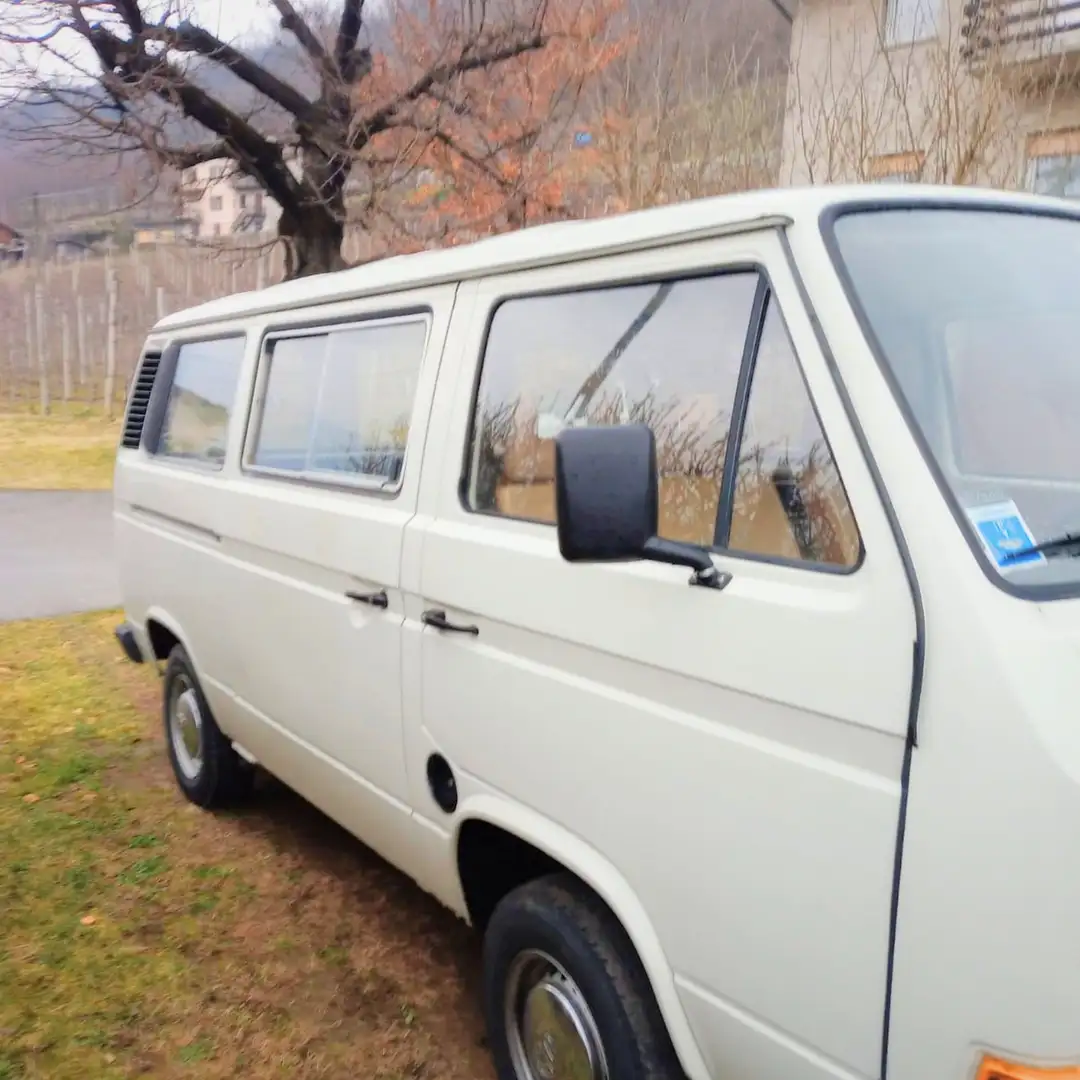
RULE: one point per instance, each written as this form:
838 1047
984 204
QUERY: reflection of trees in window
807 485
690 452
380 452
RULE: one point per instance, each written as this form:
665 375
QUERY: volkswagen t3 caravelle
690 600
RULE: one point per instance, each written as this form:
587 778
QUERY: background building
943 91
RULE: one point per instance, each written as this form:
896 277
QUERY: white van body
832 802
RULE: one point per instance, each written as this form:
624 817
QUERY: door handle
373 599
439 620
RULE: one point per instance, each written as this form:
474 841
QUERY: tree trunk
313 238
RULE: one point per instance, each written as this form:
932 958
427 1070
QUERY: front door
735 756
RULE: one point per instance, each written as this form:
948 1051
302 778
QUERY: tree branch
194 39
295 24
352 19
383 119
257 154
188 159
132 15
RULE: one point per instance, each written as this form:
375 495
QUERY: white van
687 599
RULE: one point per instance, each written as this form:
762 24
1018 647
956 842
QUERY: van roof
543 245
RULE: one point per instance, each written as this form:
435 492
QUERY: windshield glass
977 313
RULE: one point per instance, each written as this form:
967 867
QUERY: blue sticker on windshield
1004 534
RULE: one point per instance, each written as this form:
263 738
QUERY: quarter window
667 355
201 400
789 502
340 403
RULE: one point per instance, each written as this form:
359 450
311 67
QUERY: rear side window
201 401
339 403
673 356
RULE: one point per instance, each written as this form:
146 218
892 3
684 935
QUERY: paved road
56 553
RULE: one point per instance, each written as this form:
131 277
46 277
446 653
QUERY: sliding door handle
439 621
372 599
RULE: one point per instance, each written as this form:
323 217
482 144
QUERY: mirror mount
607 502
674 553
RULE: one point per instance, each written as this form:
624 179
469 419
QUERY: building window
243 202
215 202
1054 164
217 228
201 400
909 21
258 202
905 168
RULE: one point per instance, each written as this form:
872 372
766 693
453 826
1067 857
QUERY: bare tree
141 76
695 106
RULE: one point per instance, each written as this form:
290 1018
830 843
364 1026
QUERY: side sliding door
328 481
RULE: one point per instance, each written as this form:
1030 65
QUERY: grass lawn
73 448
143 937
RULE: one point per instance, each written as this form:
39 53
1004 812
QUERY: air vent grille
140 401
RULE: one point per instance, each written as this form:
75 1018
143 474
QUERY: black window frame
156 410
826 226
313 327
765 294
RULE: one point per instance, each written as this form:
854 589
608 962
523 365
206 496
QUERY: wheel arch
163 632
556 849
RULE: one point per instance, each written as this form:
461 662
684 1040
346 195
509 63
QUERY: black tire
219 777
560 918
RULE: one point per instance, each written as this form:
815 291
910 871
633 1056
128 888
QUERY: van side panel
253 572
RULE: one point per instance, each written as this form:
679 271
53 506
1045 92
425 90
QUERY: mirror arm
675 553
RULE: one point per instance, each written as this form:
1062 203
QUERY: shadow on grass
397 911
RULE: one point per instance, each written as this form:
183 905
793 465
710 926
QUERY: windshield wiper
1066 544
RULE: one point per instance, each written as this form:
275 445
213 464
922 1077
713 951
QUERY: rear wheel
566 997
207 768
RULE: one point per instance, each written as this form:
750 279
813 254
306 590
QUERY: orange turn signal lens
996 1069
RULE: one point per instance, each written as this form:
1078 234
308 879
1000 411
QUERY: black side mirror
607 502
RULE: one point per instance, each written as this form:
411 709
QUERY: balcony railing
1027 33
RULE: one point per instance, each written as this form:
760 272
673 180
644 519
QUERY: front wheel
566 997
207 768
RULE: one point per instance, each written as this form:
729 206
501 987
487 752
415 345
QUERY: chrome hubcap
553 1035
186 728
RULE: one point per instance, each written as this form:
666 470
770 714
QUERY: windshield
977 314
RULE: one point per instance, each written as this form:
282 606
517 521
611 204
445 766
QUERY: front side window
340 403
668 355
975 313
201 401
